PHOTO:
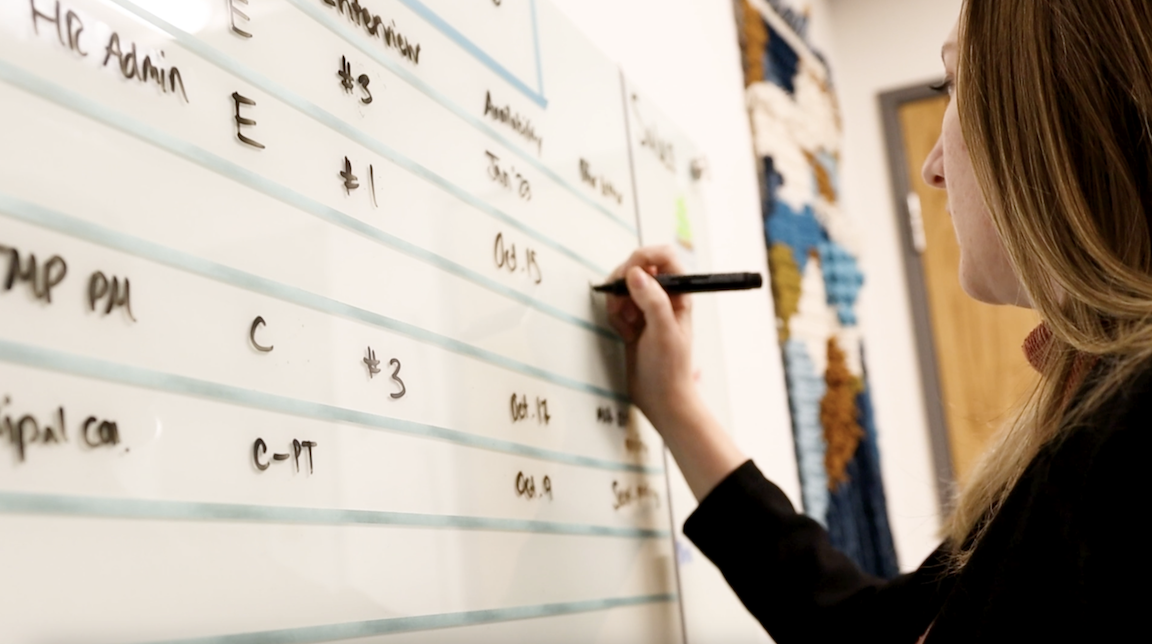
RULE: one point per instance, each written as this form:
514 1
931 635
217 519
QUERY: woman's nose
933 170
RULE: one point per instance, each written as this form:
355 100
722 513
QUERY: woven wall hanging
816 281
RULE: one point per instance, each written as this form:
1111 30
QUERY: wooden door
981 368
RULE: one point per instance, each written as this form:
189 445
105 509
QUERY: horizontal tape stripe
328 21
62 362
82 105
350 132
101 507
68 225
350 630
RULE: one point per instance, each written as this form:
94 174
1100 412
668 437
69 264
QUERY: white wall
883 45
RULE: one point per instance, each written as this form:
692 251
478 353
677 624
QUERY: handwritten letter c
257 323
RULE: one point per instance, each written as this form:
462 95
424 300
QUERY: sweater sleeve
1111 536
784 569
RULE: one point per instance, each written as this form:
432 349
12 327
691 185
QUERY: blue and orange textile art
816 279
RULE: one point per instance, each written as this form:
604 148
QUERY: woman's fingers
654 259
650 299
616 302
628 323
624 315
662 259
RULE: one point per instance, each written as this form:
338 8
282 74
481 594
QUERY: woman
1046 154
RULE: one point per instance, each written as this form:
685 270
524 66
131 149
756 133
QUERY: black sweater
1063 560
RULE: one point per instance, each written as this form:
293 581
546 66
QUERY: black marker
693 283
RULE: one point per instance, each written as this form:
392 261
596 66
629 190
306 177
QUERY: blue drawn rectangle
474 50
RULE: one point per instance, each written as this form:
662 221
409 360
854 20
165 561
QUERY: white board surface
292 365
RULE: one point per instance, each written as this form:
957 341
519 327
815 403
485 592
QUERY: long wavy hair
1055 102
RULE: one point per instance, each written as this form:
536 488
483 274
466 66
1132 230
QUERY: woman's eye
944 86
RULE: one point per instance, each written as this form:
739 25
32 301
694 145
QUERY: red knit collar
1036 346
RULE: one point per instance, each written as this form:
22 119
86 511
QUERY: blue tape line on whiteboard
373 52
422 10
351 630
45 217
246 177
333 122
103 507
40 357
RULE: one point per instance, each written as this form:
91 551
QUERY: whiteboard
296 340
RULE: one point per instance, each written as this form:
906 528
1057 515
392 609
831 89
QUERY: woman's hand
657 332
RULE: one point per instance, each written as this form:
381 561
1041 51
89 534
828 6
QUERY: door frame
890 104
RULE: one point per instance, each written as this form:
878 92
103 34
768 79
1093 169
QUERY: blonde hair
1055 102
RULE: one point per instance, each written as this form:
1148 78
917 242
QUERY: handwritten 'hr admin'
69 28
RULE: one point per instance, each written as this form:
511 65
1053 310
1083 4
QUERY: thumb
650 298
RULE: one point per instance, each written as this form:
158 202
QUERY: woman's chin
981 289
978 288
